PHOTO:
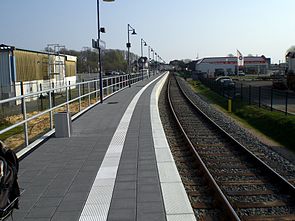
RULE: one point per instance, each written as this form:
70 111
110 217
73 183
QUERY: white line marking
98 202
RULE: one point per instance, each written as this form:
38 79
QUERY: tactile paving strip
99 199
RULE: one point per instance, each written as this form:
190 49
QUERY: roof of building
4 47
231 60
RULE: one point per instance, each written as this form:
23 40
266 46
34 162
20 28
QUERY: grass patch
4 124
211 95
275 125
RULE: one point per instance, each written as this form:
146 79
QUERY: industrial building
213 66
36 70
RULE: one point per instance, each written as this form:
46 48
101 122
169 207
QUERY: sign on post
98 44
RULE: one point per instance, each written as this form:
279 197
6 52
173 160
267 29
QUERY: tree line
87 59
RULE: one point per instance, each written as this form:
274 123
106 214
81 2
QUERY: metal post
41 97
250 94
286 107
67 98
141 42
79 95
89 97
271 99
95 88
53 94
128 55
70 93
129 28
24 112
83 87
50 113
259 98
149 59
241 92
99 55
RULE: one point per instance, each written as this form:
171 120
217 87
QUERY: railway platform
116 166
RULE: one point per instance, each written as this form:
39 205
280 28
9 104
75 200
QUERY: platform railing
31 123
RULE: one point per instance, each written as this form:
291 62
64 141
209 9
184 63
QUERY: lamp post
129 29
142 59
100 30
149 54
152 50
156 62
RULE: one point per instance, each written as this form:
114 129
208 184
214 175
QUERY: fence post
271 99
53 94
89 95
95 88
286 108
24 112
70 93
41 97
241 92
250 95
67 98
259 98
79 95
50 113
83 87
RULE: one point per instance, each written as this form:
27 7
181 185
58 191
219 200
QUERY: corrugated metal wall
71 68
31 65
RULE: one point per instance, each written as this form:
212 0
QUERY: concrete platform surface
109 168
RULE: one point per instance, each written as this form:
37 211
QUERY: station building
214 66
36 70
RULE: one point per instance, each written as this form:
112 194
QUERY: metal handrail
121 82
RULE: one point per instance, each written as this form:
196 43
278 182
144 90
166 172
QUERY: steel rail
222 198
286 185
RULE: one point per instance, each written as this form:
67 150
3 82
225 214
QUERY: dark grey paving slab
58 175
137 184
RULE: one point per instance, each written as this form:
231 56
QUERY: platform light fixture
97 46
142 44
129 29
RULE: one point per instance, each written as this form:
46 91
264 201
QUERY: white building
214 66
36 70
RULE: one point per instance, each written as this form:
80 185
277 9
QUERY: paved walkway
106 171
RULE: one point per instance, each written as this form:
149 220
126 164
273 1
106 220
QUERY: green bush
274 124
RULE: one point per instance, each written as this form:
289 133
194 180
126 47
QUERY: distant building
37 70
214 66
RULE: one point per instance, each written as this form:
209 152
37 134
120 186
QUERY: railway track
198 191
244 187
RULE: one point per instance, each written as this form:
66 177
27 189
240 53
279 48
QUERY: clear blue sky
175 29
